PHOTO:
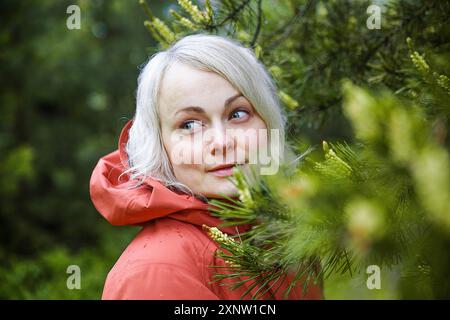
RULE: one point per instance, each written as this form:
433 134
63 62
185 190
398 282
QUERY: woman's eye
191 125
238 114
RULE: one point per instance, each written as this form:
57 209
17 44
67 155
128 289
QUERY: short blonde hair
238 65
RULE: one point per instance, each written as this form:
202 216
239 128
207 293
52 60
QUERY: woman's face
199 114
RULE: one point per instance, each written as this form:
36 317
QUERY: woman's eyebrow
198 109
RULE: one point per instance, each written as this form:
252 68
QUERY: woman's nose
222 141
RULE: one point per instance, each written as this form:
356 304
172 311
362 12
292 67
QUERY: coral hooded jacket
172 256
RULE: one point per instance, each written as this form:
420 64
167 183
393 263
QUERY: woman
200 105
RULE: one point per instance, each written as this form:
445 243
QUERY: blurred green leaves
16 167
64 95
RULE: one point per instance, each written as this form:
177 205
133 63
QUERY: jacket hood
120 204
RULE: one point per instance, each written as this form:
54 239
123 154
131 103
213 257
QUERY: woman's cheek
251 145
263 139
191 170
184 151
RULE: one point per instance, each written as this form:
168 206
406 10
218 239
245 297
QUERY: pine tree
379 194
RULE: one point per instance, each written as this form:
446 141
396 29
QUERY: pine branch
258 26
282 33
233 14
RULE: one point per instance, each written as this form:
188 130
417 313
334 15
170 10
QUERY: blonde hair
235 63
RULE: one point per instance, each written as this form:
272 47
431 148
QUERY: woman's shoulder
166 241
164 253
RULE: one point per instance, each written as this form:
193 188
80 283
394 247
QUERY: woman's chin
224 188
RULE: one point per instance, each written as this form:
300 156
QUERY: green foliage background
65 94
64 97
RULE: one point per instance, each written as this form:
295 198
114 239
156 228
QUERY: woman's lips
223 172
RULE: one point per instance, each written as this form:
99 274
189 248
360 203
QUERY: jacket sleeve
156 282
